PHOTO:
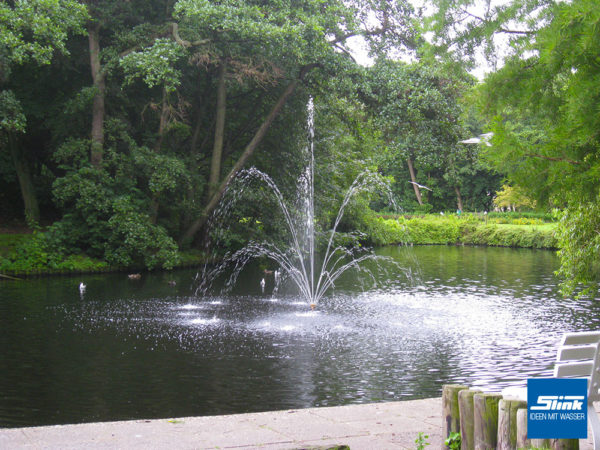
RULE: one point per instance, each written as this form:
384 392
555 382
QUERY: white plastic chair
578 356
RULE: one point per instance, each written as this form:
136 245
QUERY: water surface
145 349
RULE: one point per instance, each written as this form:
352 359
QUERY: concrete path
393 425
374 426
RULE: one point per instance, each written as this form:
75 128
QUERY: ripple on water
204 321
189 307
307 314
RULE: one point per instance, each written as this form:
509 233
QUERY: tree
30 31
512 197
543 109
275 45
416 106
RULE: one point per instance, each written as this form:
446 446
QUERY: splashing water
297 260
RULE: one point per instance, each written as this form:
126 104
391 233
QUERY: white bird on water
420 185
262 285
81 289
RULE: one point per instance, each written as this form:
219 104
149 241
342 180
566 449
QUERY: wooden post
507 423
564 444
465 407
485 407
450 411
522 441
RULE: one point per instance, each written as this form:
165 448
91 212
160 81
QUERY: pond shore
382 232
393 425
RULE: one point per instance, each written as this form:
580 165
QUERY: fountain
297 261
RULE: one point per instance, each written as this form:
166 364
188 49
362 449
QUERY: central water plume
296 260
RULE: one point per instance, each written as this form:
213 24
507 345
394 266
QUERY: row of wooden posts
487 421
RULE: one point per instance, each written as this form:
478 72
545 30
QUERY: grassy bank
466 229
23 254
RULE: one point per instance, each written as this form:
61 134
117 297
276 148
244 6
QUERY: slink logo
559 403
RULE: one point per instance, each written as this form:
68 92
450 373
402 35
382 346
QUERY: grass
546 227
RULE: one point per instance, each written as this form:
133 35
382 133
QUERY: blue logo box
557 408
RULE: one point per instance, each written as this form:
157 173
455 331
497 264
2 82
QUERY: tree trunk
459 201
98 77
163 122
32 210
215 163
248 151
414 180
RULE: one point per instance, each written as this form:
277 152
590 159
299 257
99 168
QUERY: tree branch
183 42
554 158
500 29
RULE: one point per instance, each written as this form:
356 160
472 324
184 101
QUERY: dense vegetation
122 124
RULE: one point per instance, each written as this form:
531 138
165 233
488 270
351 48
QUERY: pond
147 349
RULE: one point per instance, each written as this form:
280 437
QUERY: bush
115 228
450 229
135 241
510 237
36 254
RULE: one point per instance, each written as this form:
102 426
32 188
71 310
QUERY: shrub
36 254
135 241
450 229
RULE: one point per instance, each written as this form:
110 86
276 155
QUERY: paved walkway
374 426
393 425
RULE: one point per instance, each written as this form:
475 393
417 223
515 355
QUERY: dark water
145 349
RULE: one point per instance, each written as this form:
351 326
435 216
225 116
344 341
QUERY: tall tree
416 106
273 45
30 31
543 108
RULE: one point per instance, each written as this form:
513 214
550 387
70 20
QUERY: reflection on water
143 349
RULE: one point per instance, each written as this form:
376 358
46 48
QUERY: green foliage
8 242
11 113
579 243
37 254
417 108
519 221
105 223
156 65
509 236
384 232
35 29
421 441
510 216
514 197
451 229
163 172
134 241
453 441
542 106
